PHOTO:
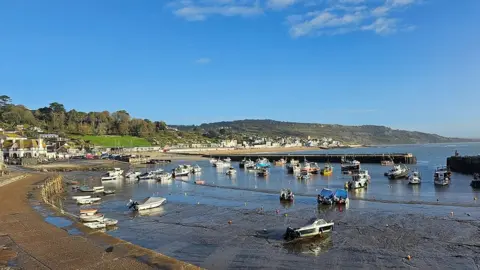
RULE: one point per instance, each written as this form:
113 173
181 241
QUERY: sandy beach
31 243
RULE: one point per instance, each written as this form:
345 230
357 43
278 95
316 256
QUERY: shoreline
30 236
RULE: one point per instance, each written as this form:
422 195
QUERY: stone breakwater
464 164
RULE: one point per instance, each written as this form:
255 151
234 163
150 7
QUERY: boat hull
475 184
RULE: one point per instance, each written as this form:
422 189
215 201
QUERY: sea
238 221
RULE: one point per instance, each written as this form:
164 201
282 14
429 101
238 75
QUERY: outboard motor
290 234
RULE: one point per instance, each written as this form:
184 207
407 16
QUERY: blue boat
325 196
341 196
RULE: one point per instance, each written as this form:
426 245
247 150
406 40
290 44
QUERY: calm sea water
248 192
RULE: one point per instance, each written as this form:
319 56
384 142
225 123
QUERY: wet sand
31 243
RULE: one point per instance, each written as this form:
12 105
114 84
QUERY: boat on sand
147 203
313 228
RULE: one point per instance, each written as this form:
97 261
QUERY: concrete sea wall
464 164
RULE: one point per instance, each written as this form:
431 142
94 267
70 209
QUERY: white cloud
203 61
312 17
200 10
280 4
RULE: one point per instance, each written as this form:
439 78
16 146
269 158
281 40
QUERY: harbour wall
51 187
464 164
405 158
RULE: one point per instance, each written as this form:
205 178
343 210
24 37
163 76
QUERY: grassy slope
114 141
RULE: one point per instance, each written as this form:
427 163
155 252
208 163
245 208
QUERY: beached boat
349 166
133 174
397 172
303 175
442 176
476 181
81 197
359 180
115 172
95 225
91 218
231 171
415 178
327 170
109 178
110 221
98 189
86 189
108 192
286 195
88 201
88 211
196 169
181 171
147 203
263 172
340 196
325 196
315 227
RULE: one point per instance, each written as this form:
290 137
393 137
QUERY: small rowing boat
88 212
88 201
92 218
95 225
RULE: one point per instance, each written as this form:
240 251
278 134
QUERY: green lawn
115 141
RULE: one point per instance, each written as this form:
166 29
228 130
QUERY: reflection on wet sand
311 246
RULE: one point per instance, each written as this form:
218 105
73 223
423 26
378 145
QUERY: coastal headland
31 243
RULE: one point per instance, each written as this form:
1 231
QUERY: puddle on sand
74 231
59 222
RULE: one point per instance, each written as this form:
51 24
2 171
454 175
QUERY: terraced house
16 146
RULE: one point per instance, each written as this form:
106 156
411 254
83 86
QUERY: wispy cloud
311 17
203 61
199 10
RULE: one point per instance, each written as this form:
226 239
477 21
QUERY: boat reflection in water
324 208
286 204
359 193
311 246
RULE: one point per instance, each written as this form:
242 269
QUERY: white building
19 147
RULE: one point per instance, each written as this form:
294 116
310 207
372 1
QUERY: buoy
285 214
451 213
409 257
229 222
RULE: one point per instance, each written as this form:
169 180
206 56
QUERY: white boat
221 164
213 161
81 197
164 176
133 174
359 180
415 178
286 195
88 212
442 177
110 221
95 225
151 175
397 171
98 189
109 178
227 160
108 192
196 169
91 218
88 201
249 164
116 172
315 227
181 171
231 171
303 175
147 203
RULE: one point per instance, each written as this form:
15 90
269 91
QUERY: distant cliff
366 134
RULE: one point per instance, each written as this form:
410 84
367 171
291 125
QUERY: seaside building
15 146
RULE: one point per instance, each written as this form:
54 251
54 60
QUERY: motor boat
340 196
95 225
221 164
286 195
280 162
231 171
91 218
350 166
115 172
262 163
227 160
196 169
327 170
181 171
133 174
293 168
249 164
81 197
151 175
88 201
110 221
109 178
164 176
311 167
313 228
213 161
442 176
147 203
398 171
359 180
85 189
98 189
303 175
88 212
108 192
415 178
325 196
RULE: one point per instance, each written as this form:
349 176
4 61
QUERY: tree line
55 119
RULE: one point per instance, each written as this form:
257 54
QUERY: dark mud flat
365 238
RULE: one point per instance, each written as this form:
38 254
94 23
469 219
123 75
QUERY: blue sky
410 64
